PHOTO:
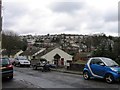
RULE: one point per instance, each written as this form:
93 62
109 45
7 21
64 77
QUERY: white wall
50 56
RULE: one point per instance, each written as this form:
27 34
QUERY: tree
116 49
108 47
24 44
11 41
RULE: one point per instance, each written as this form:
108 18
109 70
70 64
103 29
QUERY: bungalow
58 57
29 52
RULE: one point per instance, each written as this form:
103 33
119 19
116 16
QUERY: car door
98 67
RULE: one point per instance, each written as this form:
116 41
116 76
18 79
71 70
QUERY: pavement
67 71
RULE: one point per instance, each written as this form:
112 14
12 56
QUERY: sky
40 17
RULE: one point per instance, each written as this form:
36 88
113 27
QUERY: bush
118 60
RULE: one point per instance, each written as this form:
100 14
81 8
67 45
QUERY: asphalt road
25 77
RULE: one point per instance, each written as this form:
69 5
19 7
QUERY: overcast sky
57 16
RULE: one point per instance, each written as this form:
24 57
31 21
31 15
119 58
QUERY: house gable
50 55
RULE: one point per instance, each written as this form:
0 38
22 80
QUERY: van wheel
34 67
109 78
19 64
86 75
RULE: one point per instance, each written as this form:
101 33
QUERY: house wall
50 56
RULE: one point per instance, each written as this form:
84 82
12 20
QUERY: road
25 77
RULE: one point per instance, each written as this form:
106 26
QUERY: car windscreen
110 62
4 61
22 58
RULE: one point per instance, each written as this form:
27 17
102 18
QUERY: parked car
6 68
101 67
21 61
52 66
41 64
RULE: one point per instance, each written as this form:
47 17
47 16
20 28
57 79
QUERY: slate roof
30 52
45 51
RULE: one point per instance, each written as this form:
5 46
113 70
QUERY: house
82 56
30 52
38 54
58 57
18 53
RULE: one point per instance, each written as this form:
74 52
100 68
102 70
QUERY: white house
58 57
18 53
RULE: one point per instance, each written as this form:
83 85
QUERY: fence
76 67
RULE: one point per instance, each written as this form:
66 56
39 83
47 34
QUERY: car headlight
115 70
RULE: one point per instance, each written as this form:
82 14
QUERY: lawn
80 62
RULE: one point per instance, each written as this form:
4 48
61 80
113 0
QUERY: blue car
101 67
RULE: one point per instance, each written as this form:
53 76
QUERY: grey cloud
67 7
14 9
111 16
12 12
95 19
8 24
69 28
95 25
103 27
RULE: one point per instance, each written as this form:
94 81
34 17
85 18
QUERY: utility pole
0 24
0 40
0 15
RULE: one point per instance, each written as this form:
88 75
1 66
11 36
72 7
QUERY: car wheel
28 65
86 75
11 77
14 64
109 78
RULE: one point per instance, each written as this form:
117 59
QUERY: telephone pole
0 15
0 25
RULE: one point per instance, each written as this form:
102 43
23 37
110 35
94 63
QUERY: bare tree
11 41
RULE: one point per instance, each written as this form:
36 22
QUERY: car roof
99 58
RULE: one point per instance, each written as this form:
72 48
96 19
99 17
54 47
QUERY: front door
62 61
56 59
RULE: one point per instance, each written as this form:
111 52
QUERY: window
96 61
110 62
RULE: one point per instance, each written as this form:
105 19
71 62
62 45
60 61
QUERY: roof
52 53
40 51
100 58
45 51
30 51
